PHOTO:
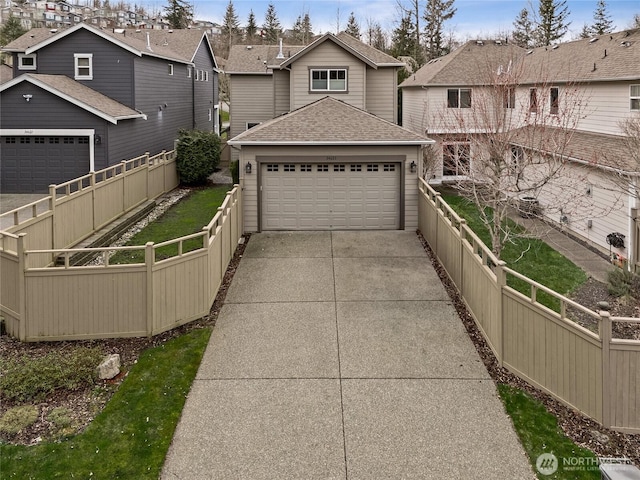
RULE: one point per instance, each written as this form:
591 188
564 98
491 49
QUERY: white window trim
634 97
170 68
76 57
210 115
557 107
329 70
21 66
460 90
206 76
189 71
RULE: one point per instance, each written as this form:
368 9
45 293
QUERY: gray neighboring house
83 99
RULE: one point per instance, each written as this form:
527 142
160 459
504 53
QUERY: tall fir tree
271 26
602 22
435 14
302 30
523 29
552 22
585 32
353 27
178 13
376 36
636 21
11 30
307 29
251 30
230 26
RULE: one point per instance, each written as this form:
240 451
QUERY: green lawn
130 437
186 217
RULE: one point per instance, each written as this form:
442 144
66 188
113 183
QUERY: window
533 100
289 167
554 100
272 167
68 140
83 66
509 98
356 168
83 140
634 95
54 140
25 140
305 168
188 72
10 140
26 62
329 80
323 168
338 168
456 159
170 65
517 157
389 167
372 167
209 115
459 98
252 124
38 140
206 76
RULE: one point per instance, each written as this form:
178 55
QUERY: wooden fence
588 371
39 301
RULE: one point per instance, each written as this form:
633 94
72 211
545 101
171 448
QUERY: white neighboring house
585 90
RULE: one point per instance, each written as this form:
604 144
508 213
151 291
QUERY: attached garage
31 163
329 166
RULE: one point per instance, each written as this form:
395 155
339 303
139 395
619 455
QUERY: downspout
193 97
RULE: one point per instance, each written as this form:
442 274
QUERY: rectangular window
634 95
289 167
329 80
459 98
68 140
509 98
517 157
83 66
83 140
189 72
305 168
209 115
252 124
170 66
323 168
356 168
206 76
389 167
372 167
272 167
26 62
338 168
10 140
456 159
54 140
533 100
38 140
25 140
554 100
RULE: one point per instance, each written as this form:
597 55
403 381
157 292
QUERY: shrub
623 283
27 379
234 168
17 418
197 156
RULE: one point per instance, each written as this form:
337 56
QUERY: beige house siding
414 109
607 104
380 99
281 88
250 181
328 55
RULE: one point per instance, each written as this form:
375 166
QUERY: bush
234 168
198 155
623 283
27 379
17 418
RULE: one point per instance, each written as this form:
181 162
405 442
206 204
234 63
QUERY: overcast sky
474 18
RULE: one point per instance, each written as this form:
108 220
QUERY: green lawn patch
130 437
539 433
224 116
529 256
186 217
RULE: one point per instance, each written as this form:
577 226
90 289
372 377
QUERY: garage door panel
330 196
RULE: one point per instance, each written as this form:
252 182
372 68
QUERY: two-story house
83 99
565 105
314 128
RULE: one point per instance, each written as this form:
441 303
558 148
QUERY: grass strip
131 436
539 433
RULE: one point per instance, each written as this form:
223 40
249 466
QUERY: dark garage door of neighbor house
30 164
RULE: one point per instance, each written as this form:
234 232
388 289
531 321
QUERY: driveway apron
338 355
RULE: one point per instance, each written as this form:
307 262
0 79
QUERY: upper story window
188 71
83 66
533 100
459 98
509 98
554 100
634 96
26 62
170 67
329 80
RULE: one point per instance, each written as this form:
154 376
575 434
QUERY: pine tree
252 28
376 36
230 26
353 27
602 22
302 30
11 30
178 13
552 23
523 30
403 38
585 32
436 13
636 21
307 29
271 26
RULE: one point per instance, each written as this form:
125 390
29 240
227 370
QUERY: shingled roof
328 121
78 94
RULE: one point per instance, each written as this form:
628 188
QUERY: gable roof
177 45
79 95
6 73
328 121
262 59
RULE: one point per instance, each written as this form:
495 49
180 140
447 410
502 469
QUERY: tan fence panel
216 267
135 187
39 236
552 354
108 201
171 179
624 386
449 249
10 307
73 218
82 303
180 292
155 180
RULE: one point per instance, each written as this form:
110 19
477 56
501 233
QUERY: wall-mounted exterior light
247 167
413 167
27 97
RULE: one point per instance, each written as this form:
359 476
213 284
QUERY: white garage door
330 196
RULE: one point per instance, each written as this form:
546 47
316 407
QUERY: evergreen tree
636 21
523 29
178 13
585 32
403 39
307 29
353 27
602 22
252 28
436 13
11 30
271 26
552 22
230 26
302 30
376 36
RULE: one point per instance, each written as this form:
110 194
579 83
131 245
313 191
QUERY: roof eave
321 40
330 142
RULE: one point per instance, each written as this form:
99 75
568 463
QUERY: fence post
52 207
605 337
461 237
149 260
438 219
501 282
146 154
92 182
22 287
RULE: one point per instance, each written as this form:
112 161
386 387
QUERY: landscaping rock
110 367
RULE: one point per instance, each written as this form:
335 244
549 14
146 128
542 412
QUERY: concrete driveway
338 355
